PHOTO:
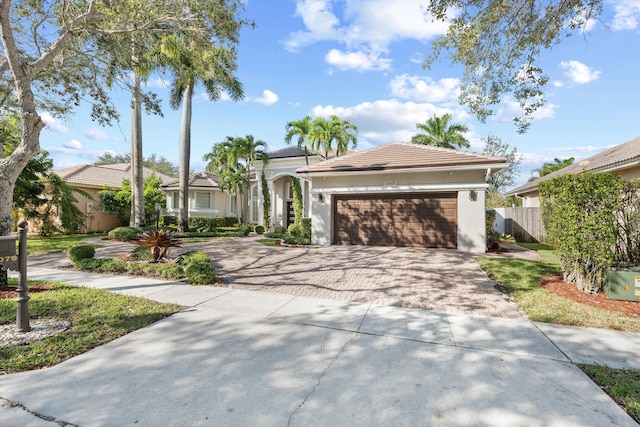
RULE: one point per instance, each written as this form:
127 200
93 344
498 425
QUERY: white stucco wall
471 221
321 219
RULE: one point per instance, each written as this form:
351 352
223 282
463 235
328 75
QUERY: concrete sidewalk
239 357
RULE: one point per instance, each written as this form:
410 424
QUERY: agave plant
158 243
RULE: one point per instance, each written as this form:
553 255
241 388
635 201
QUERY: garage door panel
397 220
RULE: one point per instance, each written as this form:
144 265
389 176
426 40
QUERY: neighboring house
206 198
92 179
623 159
393 195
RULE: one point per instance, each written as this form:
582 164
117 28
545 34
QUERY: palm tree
438 132
345 134
300 128
212 67
549 167
250 150
324 133
233 160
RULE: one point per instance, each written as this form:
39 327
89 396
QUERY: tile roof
99 176
402 155
615 158
199 179
289 152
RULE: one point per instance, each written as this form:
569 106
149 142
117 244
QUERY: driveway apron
434 279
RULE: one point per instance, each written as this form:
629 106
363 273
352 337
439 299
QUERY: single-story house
398 194
92 179
393 195
623 159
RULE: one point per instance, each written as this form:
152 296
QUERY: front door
290 214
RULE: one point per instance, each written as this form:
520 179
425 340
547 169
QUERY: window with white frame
175 200
203 200
254 204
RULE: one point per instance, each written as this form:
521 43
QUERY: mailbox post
22 316
10 261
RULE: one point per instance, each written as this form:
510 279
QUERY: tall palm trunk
185 156
137 178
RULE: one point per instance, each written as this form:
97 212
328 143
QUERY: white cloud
365 27
578 72
52 123
387 121
587 148
558 83
268 98
359 61
74 144
97 135
423 88
511 109
627 15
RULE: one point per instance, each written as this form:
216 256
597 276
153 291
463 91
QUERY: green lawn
521 278
58 243
621 384
96 316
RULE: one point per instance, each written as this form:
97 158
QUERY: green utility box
623 282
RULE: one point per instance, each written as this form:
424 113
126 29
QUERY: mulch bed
566 290
10 291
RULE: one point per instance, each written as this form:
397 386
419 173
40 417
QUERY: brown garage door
427 220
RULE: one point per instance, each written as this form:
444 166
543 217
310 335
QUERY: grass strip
521 279
58 243
96 317
623 385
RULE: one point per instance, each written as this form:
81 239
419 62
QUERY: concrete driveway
433 279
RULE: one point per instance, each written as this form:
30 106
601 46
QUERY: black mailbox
8 245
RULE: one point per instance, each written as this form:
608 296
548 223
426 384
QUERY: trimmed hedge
200 272
305 224
125 233
166 220
195 265
80 252
592 220
258 229
208 224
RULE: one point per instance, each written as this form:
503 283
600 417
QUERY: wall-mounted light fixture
473 195
320 197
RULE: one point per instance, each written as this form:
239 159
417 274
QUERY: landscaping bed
566 290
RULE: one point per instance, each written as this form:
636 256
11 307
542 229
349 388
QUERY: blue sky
362 60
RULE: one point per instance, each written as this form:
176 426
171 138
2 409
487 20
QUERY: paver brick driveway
434 279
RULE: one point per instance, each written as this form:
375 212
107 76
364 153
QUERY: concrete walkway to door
433 279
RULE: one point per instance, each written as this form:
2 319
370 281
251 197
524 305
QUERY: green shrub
169 271
91 264
79 252
258 229
591 221
280 230
295 230
245 229
274 235
193 256
125 233
200 272
305 224
208 224
141 253
294 240
166 220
